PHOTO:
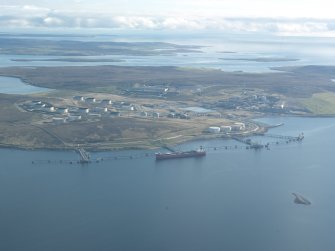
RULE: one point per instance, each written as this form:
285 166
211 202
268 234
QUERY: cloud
34 16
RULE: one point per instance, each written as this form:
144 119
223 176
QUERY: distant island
73 60
262 59
36 46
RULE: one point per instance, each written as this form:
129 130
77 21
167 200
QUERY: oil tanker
176 155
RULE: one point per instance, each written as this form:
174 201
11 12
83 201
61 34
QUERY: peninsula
118 107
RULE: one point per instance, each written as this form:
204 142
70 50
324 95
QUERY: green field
321 103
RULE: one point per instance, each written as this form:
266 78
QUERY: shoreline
187 139
263 128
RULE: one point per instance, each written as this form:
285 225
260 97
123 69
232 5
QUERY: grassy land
26 130
321 103
291 82
19 128
44 47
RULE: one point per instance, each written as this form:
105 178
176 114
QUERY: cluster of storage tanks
236 127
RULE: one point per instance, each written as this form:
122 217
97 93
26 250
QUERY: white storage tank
214 129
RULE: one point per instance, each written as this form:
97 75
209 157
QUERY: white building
214 129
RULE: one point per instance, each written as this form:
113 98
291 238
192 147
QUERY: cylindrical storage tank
214 129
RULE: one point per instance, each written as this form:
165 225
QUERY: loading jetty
248 144
251 144
84 156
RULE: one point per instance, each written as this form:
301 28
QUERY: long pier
300 137
248 144
251 144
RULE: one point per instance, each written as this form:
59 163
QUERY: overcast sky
276 16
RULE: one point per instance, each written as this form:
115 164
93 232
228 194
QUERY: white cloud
134 22
53 21
35 16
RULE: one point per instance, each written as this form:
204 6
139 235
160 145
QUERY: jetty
84 156
251 144
300 137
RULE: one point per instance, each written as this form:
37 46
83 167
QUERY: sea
233 199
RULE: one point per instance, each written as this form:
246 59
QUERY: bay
230 200
11 85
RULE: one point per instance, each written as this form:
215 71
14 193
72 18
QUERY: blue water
308 50
10 85
229 200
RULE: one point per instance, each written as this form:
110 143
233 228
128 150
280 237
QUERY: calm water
308 50
9 85
230 200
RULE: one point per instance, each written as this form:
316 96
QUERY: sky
292 17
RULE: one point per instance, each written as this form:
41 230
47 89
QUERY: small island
262 59
73 60
299 199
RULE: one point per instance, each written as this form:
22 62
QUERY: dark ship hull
177 155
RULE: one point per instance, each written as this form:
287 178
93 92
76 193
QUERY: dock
251 144
84 156
300 137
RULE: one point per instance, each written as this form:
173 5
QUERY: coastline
157 143
149 146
